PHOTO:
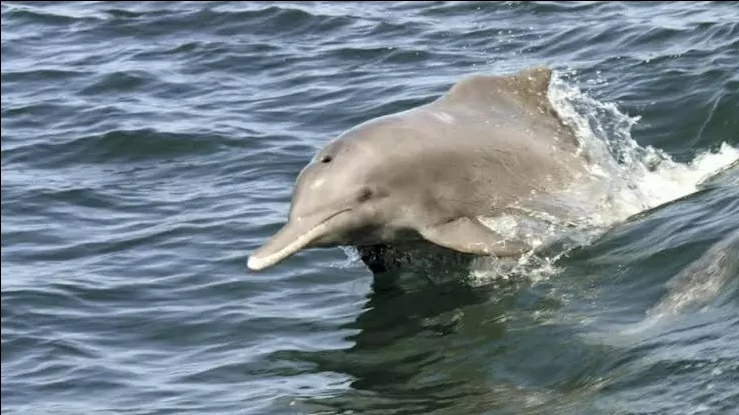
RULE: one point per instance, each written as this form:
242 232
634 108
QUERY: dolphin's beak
297 234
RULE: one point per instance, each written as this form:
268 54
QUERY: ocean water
149 147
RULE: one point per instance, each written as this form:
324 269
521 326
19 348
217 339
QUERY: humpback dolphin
703 279
486 147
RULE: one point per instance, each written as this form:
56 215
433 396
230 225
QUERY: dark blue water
148 148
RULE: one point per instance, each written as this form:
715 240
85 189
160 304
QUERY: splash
637 178
627 179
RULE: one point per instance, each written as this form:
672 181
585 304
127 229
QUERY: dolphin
702 280
486 147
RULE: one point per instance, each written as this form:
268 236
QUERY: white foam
641 177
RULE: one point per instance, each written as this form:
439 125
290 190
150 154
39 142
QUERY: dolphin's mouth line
323 222
257 262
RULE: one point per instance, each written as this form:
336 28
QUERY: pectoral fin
468 235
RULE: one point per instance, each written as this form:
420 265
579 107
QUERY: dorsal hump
528 87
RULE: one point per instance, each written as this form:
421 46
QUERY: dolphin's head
338 199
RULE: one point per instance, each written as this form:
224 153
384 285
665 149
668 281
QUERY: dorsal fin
528 87
521 94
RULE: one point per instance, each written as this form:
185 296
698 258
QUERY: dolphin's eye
326 159
364 195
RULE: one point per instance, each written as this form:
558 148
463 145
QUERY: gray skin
486 147
701 281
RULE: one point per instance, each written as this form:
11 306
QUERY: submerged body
703 279
487 147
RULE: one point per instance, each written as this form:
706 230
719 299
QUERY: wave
117 145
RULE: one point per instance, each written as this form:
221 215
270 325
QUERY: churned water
149 147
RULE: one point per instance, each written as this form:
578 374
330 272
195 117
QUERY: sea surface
149 147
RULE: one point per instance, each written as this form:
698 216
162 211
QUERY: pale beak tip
255 264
